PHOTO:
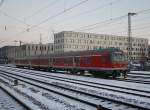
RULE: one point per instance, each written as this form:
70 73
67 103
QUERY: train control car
103 62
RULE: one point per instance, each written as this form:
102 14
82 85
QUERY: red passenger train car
103 62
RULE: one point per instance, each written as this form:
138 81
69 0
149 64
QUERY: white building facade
9 53
34 50
78 41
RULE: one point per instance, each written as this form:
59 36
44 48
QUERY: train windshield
119 56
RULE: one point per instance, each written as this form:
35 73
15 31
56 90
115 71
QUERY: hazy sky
27 20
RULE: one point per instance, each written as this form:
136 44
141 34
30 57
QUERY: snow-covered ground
142 76
40 99
8 103
72 82
105 93
93 80
89 79
143 72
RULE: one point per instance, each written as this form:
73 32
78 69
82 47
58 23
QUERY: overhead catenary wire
60 13
22 21
56 15
30 27
142 11
114 27
42 9
89 27
123 31
104 24
83 13
88 11
14 18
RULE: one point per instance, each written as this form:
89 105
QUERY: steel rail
16 99
124 103
87 84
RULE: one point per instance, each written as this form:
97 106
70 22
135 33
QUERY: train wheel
72 71
125 75
114 74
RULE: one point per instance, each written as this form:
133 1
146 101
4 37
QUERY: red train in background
103 62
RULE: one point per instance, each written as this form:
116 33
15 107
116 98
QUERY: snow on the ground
96 80
144 72
46 78
109 94
139 74
138 79
48 99
8 103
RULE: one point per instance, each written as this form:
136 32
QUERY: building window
91 41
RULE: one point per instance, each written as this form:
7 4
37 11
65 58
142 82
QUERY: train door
77 61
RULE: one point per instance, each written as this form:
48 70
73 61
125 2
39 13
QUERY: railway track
140 81
113 103
132 77
9 102
47 97
89 84
138 77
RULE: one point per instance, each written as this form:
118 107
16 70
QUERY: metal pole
20 49
129 36
41 44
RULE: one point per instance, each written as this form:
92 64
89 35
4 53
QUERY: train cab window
118 57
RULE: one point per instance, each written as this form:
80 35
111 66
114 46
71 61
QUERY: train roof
87 52
78 53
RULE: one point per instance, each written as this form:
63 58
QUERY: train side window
77 60
65 60
87 60
68 60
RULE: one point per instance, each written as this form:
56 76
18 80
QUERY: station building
77 41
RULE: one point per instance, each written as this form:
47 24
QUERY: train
109 62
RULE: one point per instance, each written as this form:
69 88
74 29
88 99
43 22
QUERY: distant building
78 41
9 53
34 50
